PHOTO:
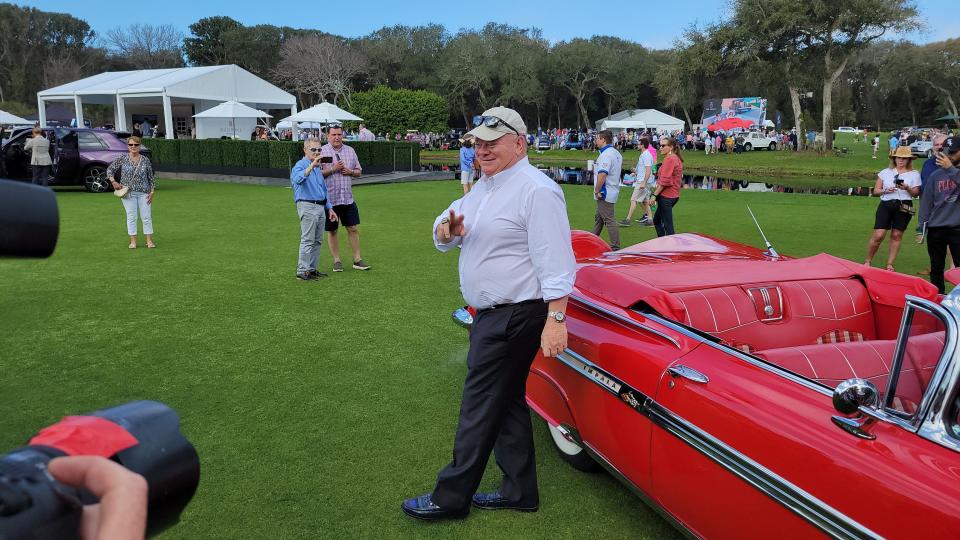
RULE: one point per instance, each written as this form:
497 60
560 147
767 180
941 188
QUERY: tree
387 110
28 37
207 48
630 67
578 66
405 56
822 31
322 65
941 71
145 46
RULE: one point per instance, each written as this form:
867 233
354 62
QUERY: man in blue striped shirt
310 194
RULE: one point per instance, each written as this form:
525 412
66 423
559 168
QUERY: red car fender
548 399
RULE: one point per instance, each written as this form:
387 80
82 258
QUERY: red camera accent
85 436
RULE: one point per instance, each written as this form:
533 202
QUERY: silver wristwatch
558 316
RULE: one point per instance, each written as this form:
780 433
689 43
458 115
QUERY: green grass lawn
316 407
794 168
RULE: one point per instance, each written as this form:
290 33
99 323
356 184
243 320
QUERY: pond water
581 176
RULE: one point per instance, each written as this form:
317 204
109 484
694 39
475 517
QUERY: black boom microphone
143 436
29 220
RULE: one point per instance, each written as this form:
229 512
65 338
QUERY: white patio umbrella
7 118
325 113
232 109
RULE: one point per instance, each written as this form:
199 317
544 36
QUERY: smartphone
326 159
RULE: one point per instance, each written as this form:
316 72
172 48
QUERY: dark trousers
938 240
41 174
493 411
663 218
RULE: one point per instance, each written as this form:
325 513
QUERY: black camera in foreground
29 220
143 436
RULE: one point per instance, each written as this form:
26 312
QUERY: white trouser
137 201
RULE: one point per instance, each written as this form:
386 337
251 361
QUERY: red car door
610 352
747 450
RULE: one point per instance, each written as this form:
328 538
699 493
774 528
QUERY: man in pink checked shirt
343 165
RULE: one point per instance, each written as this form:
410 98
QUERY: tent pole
167 116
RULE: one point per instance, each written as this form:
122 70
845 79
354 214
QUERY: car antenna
773 253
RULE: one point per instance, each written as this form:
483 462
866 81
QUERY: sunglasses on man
314 150
493 122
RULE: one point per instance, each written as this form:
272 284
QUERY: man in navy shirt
310 194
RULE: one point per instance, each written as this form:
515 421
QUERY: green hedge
278 155
190 152
210 152
283 154
163 151
234 153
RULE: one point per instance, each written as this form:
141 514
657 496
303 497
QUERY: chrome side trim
591 371
741 355
600 310
795 499
813 510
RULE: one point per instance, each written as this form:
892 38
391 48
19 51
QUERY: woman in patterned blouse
137 173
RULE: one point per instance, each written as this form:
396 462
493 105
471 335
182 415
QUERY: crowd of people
936 184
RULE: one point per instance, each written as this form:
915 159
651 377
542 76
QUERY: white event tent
12 119
174 94
323 113
226 119
641 119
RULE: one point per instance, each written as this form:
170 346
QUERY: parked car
741 392
544 143
80 156
754 140
848 129
922 148
573 141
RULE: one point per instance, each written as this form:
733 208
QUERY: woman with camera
896 185
134 173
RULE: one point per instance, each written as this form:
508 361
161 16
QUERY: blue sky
650 23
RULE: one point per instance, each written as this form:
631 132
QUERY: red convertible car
743 394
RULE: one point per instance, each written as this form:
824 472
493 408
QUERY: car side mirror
852 394
848 397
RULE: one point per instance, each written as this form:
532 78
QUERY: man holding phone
340 164
940 211
313 207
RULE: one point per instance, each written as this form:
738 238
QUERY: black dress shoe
423 507
495 501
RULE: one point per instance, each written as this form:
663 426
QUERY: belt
501 306
321 203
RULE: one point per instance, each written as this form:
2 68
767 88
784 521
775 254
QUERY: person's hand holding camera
121 513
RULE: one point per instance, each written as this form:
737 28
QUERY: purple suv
80 156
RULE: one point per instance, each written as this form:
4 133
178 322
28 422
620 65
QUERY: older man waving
516 268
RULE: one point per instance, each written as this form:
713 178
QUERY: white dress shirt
517 245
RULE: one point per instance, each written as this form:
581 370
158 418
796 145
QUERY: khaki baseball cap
506 116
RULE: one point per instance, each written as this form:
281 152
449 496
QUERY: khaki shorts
466 177
642 193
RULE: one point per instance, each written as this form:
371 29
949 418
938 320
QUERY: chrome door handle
681 370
